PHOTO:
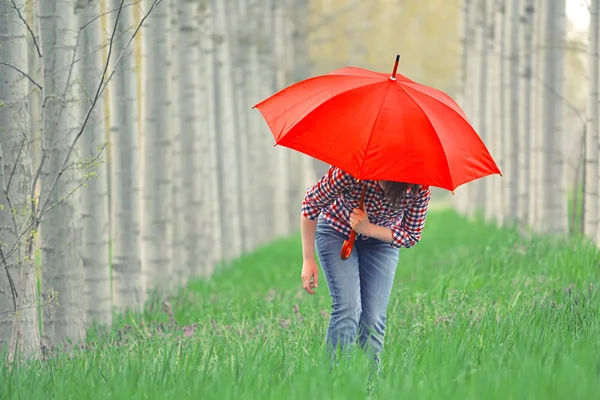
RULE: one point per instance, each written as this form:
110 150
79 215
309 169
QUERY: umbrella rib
360 170
438 100
436 136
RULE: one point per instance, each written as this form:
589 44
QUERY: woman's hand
310 275
359 221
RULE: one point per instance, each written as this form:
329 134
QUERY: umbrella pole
349 244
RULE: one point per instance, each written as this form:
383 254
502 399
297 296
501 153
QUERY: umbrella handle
349 244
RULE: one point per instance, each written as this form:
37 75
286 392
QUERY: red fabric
375 128
337 193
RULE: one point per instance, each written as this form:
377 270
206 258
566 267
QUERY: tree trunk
511 133
537 156
293 12
224 120
281 176
462 199
235 11
157 210
92 146
128 281
590 227
480 119
261 143
209 191
19 328
526 117
189 143
554 210
493 183
60 228
179 258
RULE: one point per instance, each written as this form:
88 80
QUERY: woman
393 217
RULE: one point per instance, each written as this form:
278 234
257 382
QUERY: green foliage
476 313
369 34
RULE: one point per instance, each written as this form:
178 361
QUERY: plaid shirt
337 193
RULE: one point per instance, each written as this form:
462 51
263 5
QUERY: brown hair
395 192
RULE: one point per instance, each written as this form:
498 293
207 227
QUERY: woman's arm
324 192
308 228
379 232
320 195
407 233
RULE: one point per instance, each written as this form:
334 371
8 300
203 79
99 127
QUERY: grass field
475 314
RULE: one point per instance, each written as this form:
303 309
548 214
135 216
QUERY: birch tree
554 211
300 69
189 143
178 259
94 198
270 158
18 312
510 134
281 176
525 117
60 233
156 223
293 13
495 187
481 120
235 12
224 126
537 156
468 85
261 143
593 126
208 192
128 281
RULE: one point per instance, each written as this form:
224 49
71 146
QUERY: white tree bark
261 143
281 178
19 328
237 32
462 199
190 141
537 156
482 95
526 117
60 229
92 146
157 210
294 13
554 211
35 70
495 184
253 127
511 132
179 261
492 183
224 120
208 192
268 86
300 68
592 176
128 281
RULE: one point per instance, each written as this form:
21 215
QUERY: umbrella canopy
377 126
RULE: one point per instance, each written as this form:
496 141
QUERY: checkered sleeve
407 232
324 192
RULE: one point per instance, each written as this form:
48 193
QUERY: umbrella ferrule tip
392 78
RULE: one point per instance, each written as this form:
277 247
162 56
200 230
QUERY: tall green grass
476 313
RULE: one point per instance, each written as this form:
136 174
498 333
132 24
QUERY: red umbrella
377 126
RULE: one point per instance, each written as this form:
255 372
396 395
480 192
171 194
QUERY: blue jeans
359 287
